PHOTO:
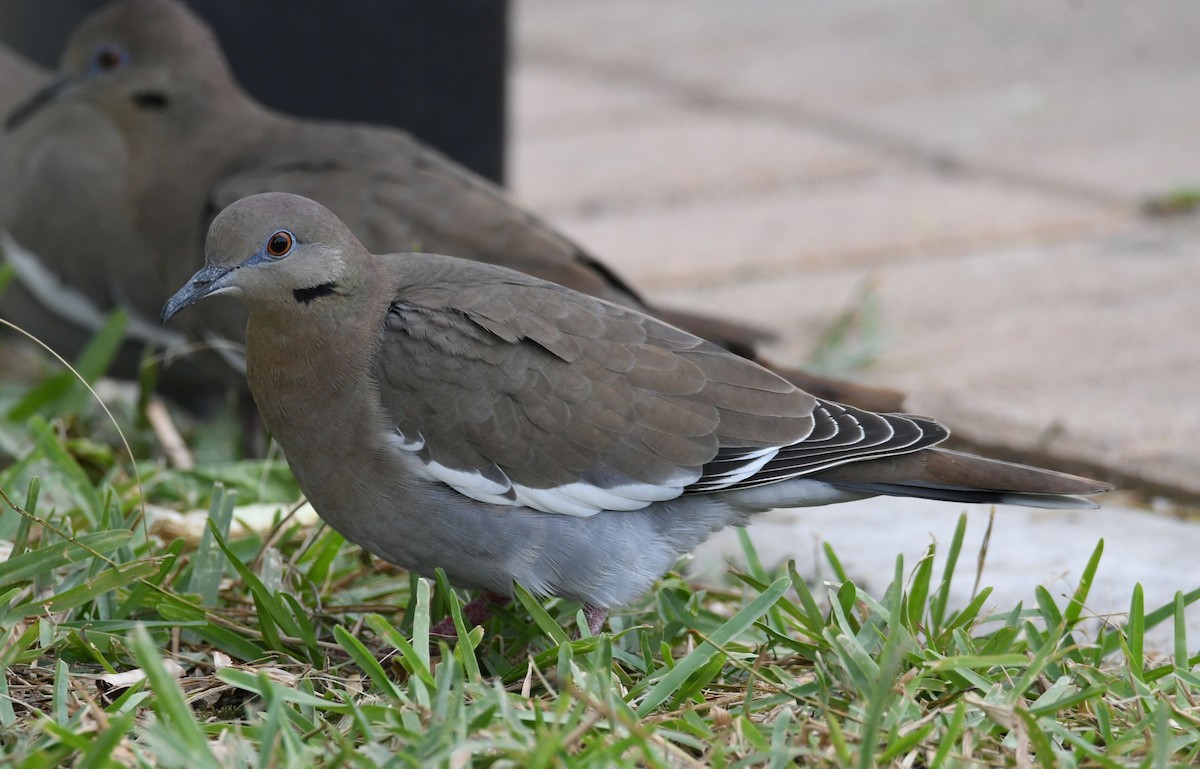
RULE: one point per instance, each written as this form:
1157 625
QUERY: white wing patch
584 499
740 467
473 485
402 441
579 499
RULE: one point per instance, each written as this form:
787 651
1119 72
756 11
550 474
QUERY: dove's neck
310 370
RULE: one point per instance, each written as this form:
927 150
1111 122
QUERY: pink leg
474 613
595 617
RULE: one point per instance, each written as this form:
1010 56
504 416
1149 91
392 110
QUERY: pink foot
476 612
595 617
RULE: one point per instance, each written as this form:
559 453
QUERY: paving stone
548 102
1027 548
1085 351
1080 352
874 220
1023 86
672 156
1022 306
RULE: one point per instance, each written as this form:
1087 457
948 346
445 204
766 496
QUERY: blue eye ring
279 244
108 57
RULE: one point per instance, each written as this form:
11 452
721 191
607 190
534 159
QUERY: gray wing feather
550 387
529 384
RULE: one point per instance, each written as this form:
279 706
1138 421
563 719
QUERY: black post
436 69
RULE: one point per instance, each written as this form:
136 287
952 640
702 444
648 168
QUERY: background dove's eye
279 244
108 58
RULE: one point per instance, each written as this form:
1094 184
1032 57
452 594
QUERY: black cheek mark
151 100
306 295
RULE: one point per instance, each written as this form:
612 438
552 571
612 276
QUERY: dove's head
136 59
276 250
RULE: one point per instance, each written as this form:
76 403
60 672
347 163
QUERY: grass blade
45 559
175 717
1136 633
684 668
109 580
540 616
1079 599
1180 635
208 562
367 662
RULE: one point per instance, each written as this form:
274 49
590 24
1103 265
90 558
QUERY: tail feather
957 477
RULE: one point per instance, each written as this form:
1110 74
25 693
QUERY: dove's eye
279 244
108 58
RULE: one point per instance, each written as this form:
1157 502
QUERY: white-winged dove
153 103
443 412
64 191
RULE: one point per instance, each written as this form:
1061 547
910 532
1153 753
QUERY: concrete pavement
982 165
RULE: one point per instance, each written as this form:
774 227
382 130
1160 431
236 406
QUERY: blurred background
447 60
987 205
982 169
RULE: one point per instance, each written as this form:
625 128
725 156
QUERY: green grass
853 338
1176 201
291 648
